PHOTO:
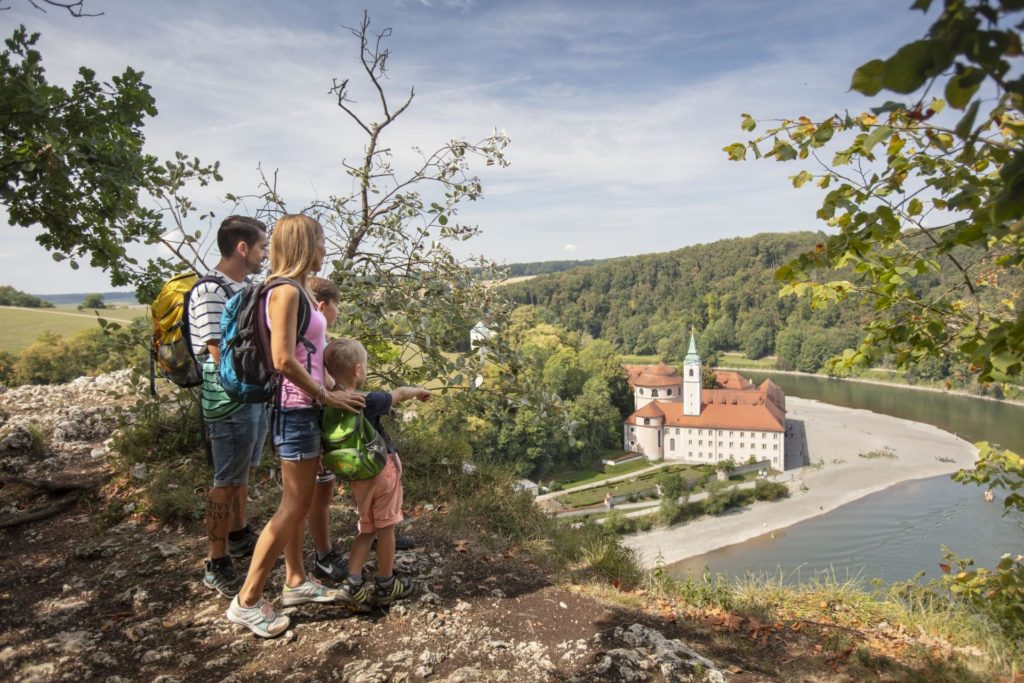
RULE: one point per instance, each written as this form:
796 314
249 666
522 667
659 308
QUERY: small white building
526 485
676 419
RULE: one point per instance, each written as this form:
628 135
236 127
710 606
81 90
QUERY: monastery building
675 419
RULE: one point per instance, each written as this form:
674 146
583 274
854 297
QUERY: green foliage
937 196
998 593
648 304
932 196
54 360
770 490
72 163
7 361
93 301
9 296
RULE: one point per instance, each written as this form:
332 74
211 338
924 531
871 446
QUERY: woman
296 251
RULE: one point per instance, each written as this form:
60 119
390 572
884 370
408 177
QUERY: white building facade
676 419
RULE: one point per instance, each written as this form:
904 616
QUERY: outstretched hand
352 401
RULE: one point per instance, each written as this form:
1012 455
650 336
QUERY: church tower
691 380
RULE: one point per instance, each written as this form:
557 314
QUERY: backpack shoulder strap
305 308
219 281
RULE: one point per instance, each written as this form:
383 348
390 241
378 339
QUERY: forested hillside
726 290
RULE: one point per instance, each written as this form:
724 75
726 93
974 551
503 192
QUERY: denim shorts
297 433
236 443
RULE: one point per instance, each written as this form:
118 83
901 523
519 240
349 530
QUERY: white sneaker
260 618
309 590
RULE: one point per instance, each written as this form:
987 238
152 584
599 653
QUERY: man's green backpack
353 449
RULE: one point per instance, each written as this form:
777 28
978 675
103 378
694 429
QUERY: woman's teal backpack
353 449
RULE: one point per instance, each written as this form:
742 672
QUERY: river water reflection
895 533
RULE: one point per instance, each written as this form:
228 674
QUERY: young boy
328 563
379 499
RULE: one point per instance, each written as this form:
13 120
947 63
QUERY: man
236 431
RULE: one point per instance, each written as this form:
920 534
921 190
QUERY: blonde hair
323 290
342 354
294 246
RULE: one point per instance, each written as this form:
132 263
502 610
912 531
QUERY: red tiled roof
766 417
660 375
650 410
728 379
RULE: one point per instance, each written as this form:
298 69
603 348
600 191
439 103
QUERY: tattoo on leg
216 512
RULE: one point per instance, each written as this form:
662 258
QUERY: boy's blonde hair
343 354
324 291
294 246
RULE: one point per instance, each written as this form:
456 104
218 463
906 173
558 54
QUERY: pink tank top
316 334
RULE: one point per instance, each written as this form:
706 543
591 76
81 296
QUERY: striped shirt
205 306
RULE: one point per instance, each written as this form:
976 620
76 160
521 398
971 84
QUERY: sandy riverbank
837 436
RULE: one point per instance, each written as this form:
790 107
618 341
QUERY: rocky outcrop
40 422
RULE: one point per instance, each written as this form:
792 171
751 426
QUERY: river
895 533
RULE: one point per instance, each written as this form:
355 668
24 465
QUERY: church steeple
691 379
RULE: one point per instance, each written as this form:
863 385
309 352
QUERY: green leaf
800 178
913 64
868 79
876 136
442 219
966 124
915 207
748 123
737 151
962 86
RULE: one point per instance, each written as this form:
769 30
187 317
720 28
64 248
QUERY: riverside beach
826 468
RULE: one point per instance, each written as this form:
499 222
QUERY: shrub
53 360
770 490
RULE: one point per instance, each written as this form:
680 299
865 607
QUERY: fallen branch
51 486
38 514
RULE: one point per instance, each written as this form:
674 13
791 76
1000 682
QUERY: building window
647 420
671 444
730 444
632 430
690 442
730 432
775 447
741 434
741 444
691 372
700 442
654 393
677 430
776 436
719 444
764 447
689 431
659 438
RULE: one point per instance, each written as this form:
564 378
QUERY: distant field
22 326
738 360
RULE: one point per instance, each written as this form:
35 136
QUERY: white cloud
570 247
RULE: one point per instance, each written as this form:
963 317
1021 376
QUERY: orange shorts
379 500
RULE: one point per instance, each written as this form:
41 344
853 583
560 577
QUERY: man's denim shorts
237 444
297 433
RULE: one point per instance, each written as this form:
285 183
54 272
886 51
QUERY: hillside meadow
22 326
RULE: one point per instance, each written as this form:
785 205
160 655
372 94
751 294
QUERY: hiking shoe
309 590
260 618
396 588
330 568
244 546
220 576
357 597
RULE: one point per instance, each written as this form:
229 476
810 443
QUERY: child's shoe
393 588
358 597
330 567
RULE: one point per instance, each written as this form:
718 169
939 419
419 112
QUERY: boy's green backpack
353 449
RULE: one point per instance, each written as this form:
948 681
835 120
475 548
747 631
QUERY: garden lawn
591 474
596 495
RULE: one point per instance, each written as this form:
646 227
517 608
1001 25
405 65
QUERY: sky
617 111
